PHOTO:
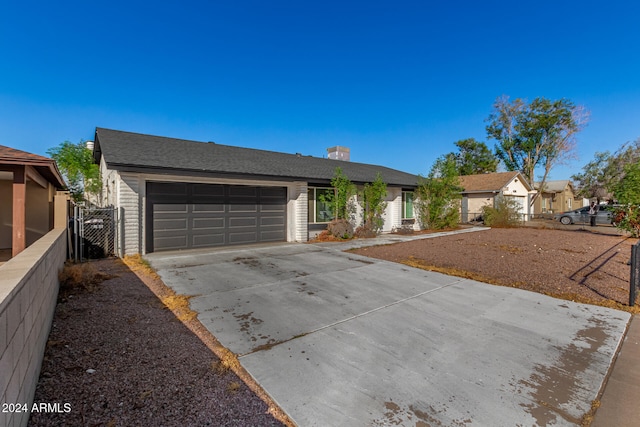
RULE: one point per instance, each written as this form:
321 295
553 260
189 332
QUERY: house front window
407 205
319 211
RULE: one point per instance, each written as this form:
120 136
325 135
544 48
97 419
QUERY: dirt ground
127 351
580 264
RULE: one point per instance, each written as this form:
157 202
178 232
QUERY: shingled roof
44 165
554 186
129 151
489 182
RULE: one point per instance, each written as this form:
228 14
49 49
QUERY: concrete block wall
28 292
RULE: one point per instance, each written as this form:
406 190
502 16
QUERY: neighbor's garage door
187 215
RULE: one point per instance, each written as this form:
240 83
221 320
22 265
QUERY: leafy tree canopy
474 157
540 134
602 177
596 178
76 165
627 190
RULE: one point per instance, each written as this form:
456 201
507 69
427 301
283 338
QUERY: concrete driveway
338 339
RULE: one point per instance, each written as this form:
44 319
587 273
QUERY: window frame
313 212
404 205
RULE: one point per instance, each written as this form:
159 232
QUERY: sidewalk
620 403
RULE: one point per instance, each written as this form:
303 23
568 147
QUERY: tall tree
474 157
540 134
77 166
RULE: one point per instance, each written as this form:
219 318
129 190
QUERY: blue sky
397 82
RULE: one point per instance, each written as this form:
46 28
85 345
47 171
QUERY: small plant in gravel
233 387
340 228
227 362
75 278
219 367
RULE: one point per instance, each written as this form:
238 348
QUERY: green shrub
627 218
504 213
371 199
439 196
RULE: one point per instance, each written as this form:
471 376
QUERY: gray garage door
187 215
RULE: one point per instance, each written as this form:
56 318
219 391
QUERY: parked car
605 215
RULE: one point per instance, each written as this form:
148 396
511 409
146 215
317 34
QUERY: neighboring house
179 194
482 189
28 185
555 197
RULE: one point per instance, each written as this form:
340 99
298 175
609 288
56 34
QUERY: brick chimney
339 153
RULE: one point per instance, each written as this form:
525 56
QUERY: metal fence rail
94 232
634 282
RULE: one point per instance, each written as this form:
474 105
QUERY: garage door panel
208 208
277 193
236 238
173 224
271 236
240 191
207 223
200 215
207 190
171 208
242 207
203 241
167 189
277 210
276 221
172 242
235 222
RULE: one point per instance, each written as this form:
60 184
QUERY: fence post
635 274
76 212
121 236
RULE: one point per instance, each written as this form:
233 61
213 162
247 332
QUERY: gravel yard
119 357
580 265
